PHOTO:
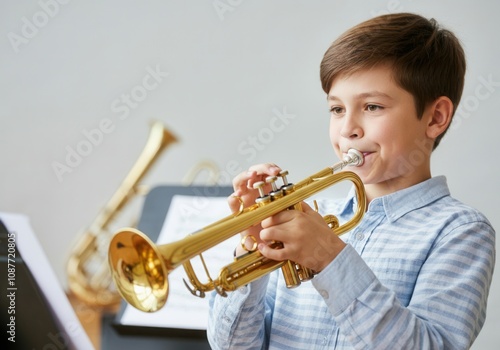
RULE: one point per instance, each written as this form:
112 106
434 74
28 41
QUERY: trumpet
140 268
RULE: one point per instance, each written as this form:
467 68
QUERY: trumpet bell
139 270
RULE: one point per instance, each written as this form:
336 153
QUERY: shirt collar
397 204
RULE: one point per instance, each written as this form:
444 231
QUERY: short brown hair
427 60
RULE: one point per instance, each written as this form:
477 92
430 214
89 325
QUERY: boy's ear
439 114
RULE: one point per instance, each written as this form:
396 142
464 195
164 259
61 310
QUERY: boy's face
371 113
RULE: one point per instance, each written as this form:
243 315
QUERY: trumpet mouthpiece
354 157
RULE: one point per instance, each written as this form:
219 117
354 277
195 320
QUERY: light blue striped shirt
415 275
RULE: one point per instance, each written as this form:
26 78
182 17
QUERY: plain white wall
219 74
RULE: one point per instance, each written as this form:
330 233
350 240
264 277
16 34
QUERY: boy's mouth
362 152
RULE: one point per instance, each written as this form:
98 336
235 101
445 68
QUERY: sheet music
186 215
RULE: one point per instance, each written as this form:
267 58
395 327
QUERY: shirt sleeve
238 321
448 305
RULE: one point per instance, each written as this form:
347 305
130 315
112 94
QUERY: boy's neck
385 188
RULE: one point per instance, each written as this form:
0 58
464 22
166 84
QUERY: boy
415 273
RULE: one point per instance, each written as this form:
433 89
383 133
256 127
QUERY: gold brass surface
140 268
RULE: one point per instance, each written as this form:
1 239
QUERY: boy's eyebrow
362 95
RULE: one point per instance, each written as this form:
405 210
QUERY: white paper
35 259
186 215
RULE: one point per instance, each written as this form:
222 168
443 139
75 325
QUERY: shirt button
243 289
325 340
324 294
360 236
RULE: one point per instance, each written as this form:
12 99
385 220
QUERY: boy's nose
351 129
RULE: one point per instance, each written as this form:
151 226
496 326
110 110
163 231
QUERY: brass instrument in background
89 278
140 268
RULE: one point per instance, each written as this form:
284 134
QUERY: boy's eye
373 108
336 110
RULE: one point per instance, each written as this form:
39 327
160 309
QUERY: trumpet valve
286 187
276 192
272 180
283 174
263 199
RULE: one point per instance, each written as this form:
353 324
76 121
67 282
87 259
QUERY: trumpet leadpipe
140 268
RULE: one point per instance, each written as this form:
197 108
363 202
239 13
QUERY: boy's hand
243 189
307 239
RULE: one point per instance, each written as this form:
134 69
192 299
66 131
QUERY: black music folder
115 334
33 324
35 311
